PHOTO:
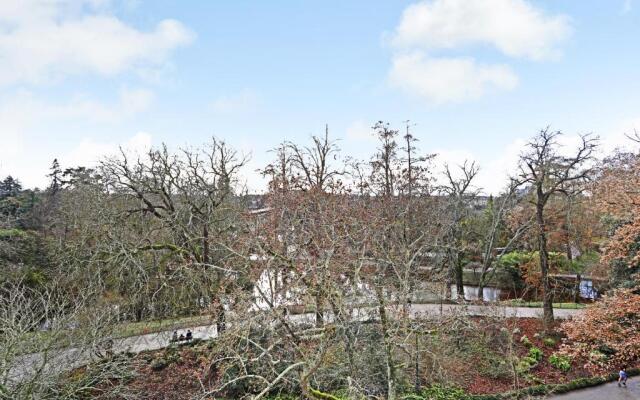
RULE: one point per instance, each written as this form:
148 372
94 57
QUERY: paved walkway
70 358
608 391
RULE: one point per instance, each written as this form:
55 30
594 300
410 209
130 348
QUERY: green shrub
159 364
515 259
439 392
10 233
549 342
563 363
323 396
536 353
525 364
541 390
497 368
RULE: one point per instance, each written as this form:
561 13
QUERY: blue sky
477 77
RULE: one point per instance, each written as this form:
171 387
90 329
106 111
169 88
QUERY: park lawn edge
546 389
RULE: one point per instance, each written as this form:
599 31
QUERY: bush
536 353
529 362
438 392
525 341
561 362
525 364
549 342
515 259
541 390
159 364
497 368
323 396
607 333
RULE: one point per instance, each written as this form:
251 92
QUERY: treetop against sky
79 78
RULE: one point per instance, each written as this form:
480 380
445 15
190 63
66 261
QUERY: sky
476 78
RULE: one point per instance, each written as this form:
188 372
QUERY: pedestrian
181 338
622 376
189 335
174 337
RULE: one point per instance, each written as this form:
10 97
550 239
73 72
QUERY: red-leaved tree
606 335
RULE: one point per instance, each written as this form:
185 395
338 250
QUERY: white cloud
89 151
515 27
25 109
616 138
43 40
243 101
627 6
27 136
452 158
129 103
360 131
31 162
441 80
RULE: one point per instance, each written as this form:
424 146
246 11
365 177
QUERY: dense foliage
607 334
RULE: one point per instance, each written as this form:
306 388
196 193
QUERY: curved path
608 391
70 358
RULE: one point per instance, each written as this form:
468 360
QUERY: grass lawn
32 341
538 304
145 327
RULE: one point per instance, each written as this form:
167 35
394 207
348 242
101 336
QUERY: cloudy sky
78 78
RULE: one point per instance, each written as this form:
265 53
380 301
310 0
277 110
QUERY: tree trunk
480 293
459 278
547 298
417 383
567 242
319 312
389 363
221 320
205 244
221 324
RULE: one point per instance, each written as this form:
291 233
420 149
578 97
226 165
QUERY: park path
70 358
608 391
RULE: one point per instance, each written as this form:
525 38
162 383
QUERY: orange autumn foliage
624 245
616 191
616 194
607 334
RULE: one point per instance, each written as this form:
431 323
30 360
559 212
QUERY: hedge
541 390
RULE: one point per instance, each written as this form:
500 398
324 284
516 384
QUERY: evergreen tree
10 187
56 177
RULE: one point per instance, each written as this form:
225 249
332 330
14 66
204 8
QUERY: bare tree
314 163
191 196
548 172
415 178
490 238
46 333
461 193
385 162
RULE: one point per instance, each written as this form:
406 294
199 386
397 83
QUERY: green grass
146 327
538 304
65 338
